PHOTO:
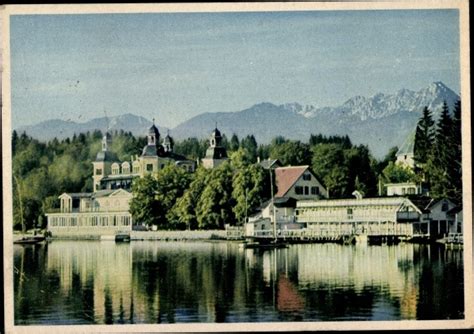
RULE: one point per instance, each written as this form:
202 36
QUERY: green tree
424 138
144 206
361 174
183 213
234 143
250 145
329 164
441 159
249 186
214 207
291 152
455 174
397 173
172 181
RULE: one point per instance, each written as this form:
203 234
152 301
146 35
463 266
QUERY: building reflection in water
164 282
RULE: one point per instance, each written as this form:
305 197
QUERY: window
445 206
314 190
126 168
306 190
411 191
349 213
115 169
136 167
307 177
298 190
98 171
149 167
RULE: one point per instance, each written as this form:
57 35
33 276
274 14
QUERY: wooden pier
318 236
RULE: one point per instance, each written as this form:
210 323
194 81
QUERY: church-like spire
153 135
168 142
216 138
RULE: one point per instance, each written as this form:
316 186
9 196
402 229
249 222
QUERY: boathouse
385 216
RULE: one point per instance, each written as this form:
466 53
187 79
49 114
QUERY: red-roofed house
298 182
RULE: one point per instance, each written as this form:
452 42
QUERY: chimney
258 159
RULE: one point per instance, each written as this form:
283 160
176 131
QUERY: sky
173 66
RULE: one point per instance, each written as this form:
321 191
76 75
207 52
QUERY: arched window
136 167
126 168
115 168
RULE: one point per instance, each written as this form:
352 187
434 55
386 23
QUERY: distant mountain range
62 129
380 121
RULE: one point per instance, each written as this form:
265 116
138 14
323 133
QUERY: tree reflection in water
166 282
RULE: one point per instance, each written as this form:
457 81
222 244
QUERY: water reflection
165 282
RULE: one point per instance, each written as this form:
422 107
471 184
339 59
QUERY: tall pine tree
424 140
455 172
424 137
441 157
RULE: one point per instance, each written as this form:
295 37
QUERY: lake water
93 282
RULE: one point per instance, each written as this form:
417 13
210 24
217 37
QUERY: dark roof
454 210
216 153
175 156
153 130
421 202
434 202
267 164
106 156
216 133
79 195
150 151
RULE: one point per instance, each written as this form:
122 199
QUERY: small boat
257 245
122 237
29 240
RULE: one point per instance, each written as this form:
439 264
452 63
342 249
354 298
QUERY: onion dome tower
153 139
216 153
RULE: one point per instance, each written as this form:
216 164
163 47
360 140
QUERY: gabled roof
286 177
421 202
120 192
454 210
103 193
436 202
76 195
394 202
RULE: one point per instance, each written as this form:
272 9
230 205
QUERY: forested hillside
211 198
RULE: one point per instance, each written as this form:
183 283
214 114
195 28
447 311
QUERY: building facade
402 189
299 183
396 216
109 173
105 211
